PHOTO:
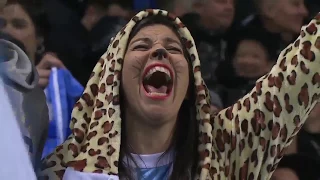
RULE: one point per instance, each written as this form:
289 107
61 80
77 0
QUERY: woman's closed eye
141 47
174 50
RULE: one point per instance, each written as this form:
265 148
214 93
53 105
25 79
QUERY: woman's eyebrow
143 39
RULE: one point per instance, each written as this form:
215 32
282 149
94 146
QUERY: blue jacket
62 93
144 4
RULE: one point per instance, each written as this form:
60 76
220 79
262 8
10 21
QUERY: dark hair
309 169
167 5
101 4
39 18
254 34
35 9
185 138
105 4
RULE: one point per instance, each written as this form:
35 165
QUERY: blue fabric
62 93
144 4
156 173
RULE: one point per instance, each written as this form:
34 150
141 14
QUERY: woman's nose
159 54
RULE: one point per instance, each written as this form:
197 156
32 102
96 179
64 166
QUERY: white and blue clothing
151 167
62 93
15 162
144 167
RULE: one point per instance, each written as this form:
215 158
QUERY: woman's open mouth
157 81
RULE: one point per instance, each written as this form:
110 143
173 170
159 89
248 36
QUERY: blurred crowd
238 42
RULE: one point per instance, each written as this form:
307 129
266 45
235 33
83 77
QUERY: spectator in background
208 24
243 10
14 156
251 59
297 167
97 9
26 22
313 7
216 103
281 20
282 16
87 36
252 55
308 140
114 17
177 7
2 4
27 99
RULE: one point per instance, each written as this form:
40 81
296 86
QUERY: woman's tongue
160 90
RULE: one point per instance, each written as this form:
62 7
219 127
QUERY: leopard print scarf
94 144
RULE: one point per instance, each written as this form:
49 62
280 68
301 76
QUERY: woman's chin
157 113
155 109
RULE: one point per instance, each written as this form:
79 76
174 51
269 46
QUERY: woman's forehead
157 32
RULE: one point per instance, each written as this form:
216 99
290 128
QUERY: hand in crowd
47 62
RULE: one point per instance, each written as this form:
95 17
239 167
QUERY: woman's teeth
160 69
157 82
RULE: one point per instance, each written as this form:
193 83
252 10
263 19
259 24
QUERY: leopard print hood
94 144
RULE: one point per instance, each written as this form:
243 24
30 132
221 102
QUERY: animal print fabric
244 141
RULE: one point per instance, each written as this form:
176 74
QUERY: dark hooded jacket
27 99
211 46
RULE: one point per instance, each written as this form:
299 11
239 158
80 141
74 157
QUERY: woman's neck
143 138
